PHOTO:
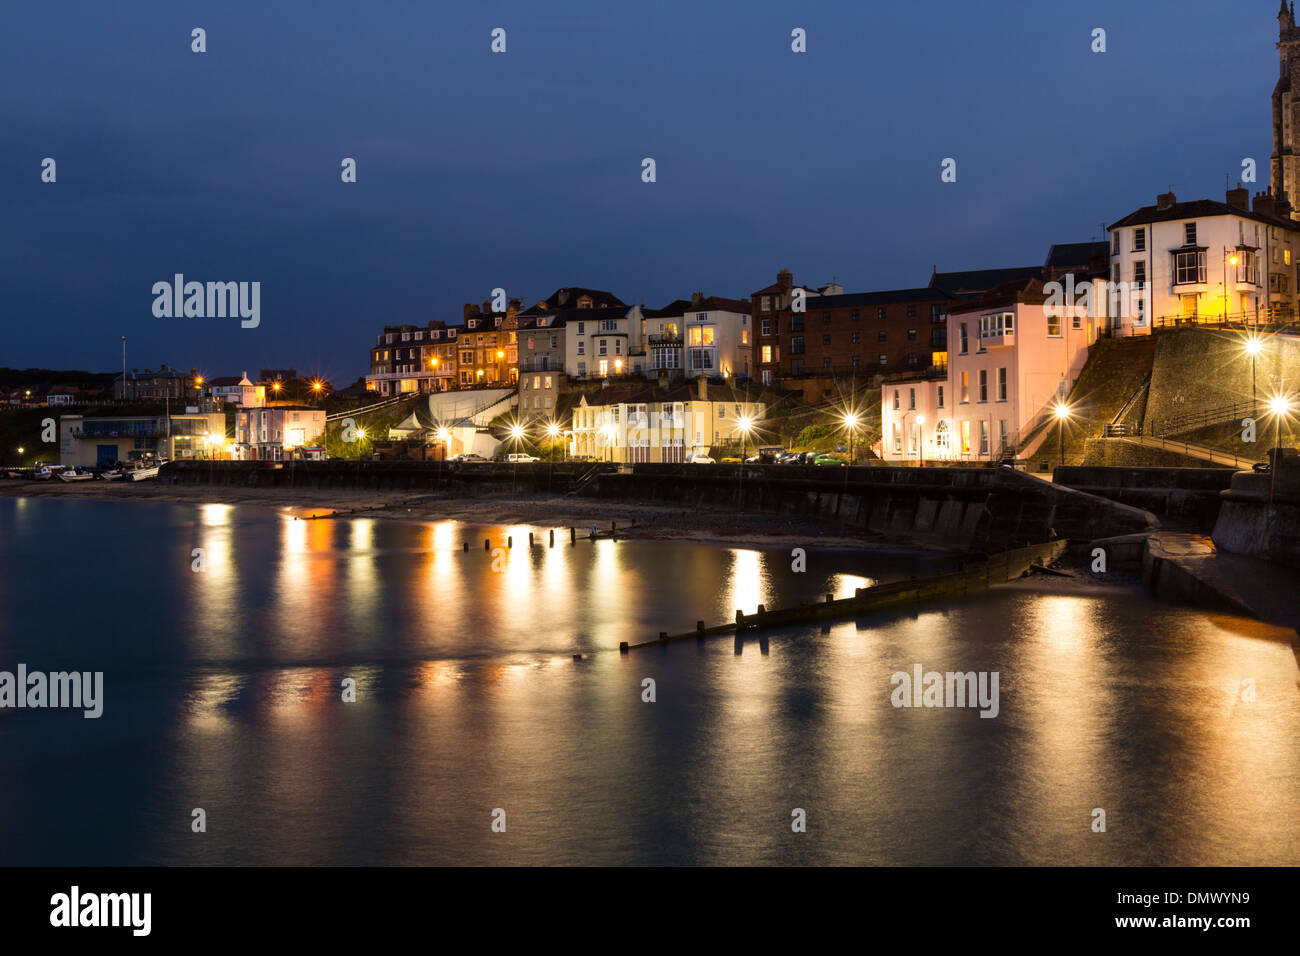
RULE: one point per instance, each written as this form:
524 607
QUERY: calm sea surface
223 692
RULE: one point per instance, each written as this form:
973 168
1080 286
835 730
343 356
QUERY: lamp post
1227 261
1062 413
920 438
851 423
1253 347
1279 406
553 432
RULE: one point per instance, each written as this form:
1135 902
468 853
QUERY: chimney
785 279
1264 204
1165 200
1282 206
487 306
702 386
471 310
1239 198
696 298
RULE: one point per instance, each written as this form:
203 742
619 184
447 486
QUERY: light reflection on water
224 690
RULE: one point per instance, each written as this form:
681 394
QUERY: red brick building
839 335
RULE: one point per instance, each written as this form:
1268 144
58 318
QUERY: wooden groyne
974 574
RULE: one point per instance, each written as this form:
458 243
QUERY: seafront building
106 439
276 433
1014 354
658 424
1205 261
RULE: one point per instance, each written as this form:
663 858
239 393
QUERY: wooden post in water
510 541
552 544
573 536
530 539
487 544
466 545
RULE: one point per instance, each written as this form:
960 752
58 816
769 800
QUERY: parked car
467 457
518 457
789 458
731 460
700 460
830 460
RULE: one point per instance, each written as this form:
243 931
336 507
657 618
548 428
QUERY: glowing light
920 419
553 429
516 432
443 434
1280 405
1062 410
361 433
1232 260
1253 345
851 420
745 423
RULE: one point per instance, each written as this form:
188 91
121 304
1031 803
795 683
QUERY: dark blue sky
522 169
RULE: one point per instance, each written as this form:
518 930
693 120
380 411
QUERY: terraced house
656 424
413 359
710 336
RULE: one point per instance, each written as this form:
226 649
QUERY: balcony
664 340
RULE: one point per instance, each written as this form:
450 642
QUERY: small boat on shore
141 474
75 474
113 474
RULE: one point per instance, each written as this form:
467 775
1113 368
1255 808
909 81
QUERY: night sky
523 169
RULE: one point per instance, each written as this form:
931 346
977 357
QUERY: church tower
1284 165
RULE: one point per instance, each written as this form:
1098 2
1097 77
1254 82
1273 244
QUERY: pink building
1012 355
272 434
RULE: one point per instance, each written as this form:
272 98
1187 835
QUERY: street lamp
851 423
1253 346
920 438
1062 412
1227 261
553 432
744 424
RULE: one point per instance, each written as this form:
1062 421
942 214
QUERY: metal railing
1195 451
1210 416
1265 320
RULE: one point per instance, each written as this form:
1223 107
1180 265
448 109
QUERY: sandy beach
626 519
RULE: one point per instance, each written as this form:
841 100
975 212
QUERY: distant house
237 391
151 386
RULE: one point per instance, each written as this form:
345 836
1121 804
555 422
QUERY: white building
600 343
241 392
1013 354
709 336
1203 261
